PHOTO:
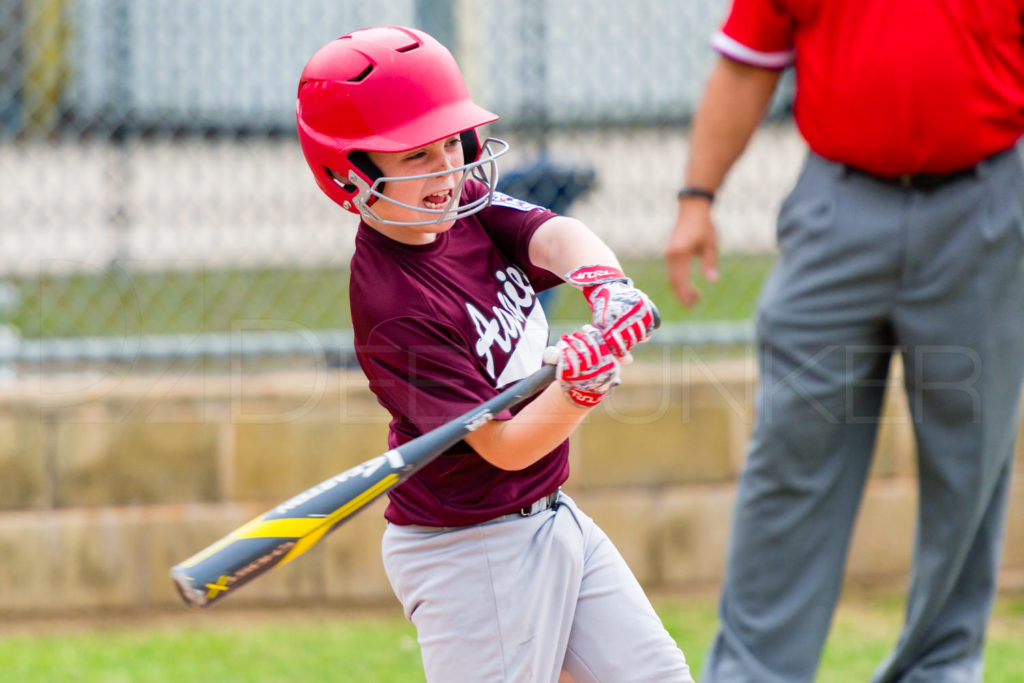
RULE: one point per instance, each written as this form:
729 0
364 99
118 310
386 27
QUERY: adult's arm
734 102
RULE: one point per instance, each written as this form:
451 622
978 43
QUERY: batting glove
624 315
586 368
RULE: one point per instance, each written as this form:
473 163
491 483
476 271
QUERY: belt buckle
544 503
533 508
906 180
528 510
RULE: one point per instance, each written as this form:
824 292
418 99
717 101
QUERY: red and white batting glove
624 315
586 368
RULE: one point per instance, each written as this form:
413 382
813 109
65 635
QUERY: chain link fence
156 205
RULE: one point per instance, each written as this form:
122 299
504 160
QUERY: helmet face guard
484 169
387 89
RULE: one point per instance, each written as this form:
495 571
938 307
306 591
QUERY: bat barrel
206 577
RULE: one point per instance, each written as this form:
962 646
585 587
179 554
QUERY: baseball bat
293 527
290 529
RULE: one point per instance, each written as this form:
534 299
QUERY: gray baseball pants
868 269
517 600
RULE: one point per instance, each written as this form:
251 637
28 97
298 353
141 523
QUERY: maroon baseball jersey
440 328
893 87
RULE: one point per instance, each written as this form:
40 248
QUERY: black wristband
690 191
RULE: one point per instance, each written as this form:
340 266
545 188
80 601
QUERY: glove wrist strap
589 278
584 399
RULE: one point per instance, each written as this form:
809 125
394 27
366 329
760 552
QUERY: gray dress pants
868 270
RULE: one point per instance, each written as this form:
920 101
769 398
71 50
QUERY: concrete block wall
106 482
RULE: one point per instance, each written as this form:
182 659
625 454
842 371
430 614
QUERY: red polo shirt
892 86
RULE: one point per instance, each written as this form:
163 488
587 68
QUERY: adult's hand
693 237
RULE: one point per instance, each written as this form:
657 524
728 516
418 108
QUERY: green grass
117 302
326 645
222 651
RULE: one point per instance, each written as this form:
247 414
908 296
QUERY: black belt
925 182
548 502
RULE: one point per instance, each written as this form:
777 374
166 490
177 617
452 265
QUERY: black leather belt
923 182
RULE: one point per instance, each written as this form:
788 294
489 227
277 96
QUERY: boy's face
430 193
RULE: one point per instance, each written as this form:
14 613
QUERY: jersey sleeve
423 373
757 33
510 222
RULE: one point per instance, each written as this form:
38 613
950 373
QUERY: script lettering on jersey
508 317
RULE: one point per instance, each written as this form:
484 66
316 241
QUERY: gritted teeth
438 200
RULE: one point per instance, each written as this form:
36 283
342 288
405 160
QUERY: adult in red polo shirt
903 235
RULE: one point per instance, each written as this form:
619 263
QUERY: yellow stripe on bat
284 528
308 530
210 550
341 513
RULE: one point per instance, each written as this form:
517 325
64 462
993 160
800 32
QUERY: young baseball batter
503 576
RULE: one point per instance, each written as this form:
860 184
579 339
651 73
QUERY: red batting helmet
386 89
